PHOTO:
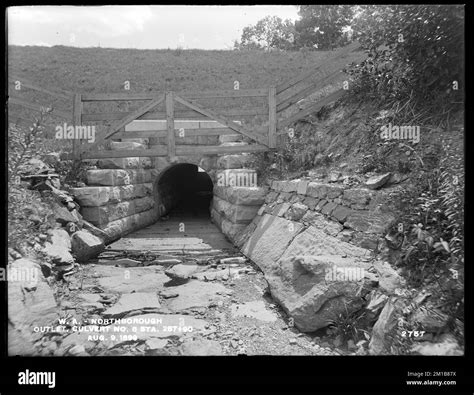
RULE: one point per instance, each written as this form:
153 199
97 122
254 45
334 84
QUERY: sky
142 27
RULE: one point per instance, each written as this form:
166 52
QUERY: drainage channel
177 287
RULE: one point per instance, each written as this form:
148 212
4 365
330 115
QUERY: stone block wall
355 215
233 208
119 197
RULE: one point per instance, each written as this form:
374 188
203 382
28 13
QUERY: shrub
411 48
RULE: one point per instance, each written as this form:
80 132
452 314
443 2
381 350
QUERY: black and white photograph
235 180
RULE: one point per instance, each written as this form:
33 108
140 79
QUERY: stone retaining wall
307 236
119 197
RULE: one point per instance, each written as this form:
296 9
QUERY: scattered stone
31 304
255 309
431 320
155 344
384 329
296 212
89 297
59 248
377 182
389 279
181 271
168 293
78 351
334 176
233 260
164 262
201 348
128 280
63 215
377 301
337 342
351 345
123 262
446 346
196 294
145 302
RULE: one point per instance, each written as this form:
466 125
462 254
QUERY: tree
417 48
322 26
268 33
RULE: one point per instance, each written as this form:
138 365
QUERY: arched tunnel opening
184 190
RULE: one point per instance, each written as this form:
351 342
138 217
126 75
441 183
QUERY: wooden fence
15 101
277 113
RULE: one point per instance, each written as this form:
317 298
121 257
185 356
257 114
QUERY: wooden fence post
77 121
272 117
170 124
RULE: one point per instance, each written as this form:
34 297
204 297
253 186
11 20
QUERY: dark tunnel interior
185 191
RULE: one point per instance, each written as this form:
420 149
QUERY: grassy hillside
105 70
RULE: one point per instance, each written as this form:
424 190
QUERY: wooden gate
263 137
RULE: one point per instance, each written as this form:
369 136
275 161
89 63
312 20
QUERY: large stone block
231 230
86 246
277 186
334 191
296 212
237 161
328 208
384 330
315 289
208 162
302 187
280 209
125 163
236 213
289 186
357 197
99 196
123 226
271 197
317 190
366 221
253 196
321 222
270 240
340 213
314 241
115 177
311 202
102 215
59 247
247 232
31 304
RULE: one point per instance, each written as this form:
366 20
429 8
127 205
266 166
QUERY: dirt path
178 296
